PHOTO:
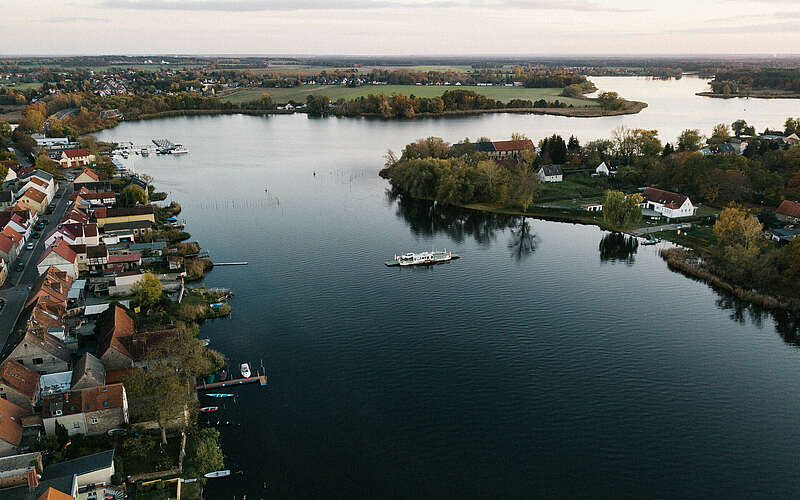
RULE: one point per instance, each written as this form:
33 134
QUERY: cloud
292 5
76 20
781 27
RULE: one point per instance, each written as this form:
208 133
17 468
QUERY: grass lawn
581 188
336 92
23 85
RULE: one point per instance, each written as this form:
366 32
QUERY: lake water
551 360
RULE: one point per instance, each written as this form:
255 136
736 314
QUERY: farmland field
336 92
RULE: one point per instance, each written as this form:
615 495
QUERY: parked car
41 225
20 266
35 235
30 245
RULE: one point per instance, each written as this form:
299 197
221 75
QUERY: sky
399 27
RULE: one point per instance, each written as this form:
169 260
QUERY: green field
23 85
299 94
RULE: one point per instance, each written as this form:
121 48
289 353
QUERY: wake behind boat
422 258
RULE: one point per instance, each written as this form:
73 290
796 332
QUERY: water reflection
787 323
618 247
429 218
523 239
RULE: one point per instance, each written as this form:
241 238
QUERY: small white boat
217 473
209 409
422 258
245 369
117 432
179 150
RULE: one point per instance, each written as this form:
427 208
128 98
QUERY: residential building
10 427
667 204
71 233
92 471
87 175
113 215
88 372
606 168
89 412
137 228
61 256
97 257
75 158
40 351
550 173
19 384
6 199
114 331
510 149
788 211
33 198
15 469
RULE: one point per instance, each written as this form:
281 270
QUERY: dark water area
551 360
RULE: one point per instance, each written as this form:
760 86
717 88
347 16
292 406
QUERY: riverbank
630 108
755 94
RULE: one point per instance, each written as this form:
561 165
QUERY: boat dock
230 263
261 379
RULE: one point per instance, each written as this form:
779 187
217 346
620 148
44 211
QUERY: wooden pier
261 379
230 263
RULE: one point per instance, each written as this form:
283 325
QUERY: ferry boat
422 258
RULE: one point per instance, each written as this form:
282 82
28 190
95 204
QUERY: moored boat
422 258
209 409
219 395
217 473
117 432
245 369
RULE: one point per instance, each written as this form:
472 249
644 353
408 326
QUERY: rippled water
551 360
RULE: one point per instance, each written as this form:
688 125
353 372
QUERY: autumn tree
621 210
610 101
737 227
720 134
132 195
147 290
158 394
690 140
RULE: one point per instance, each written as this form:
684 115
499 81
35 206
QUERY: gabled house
19 384
34 198
667 204
89 412
788 211
550 173
93 471
9 247
97 257
62 257
71 233
88 372
10 427
15 470
95 198
41 351
606 168
115 329
51 288
87 175
75 158
510 149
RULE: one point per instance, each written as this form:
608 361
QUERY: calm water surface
552 360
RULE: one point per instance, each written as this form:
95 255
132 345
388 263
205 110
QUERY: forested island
766 83
727 248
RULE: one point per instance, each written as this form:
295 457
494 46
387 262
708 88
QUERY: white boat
424 258
179 150
245 369
217 473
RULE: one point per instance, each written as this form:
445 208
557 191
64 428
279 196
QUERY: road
16 288
654 229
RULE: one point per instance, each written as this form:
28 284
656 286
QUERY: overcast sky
399 27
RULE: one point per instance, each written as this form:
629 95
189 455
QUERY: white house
550 173
62 257
605 169
670 205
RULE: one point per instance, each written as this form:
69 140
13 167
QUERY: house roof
485 147
132 224
96 252
103 213
79 466
126 257
666 198
41 173
6 196
61 249
790 208
87 400
91 173
550 170
40 182
117 328
53 494
34 194
76 153
48 343
19 378
11 422
88 372
513 145
18 462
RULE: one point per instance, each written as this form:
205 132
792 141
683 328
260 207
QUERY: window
94 420
38 361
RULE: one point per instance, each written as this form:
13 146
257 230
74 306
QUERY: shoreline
757 94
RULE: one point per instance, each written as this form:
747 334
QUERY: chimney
33 478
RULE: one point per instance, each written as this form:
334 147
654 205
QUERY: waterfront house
788 211
510 149
89 472
667 204
592 207
606 168
89 412
115 215
19 384
62 257
86 175
94 199
792 139
10 427
550 173
75 158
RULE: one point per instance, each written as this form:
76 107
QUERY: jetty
230 264
261 379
